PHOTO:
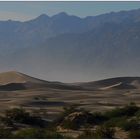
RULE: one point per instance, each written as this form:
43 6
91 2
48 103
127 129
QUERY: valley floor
53 100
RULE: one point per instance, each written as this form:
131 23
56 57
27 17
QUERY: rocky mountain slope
70 49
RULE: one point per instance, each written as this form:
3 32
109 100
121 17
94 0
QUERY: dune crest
16 77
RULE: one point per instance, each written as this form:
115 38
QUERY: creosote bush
134 134
19 115
128 110
36 133
5 133
102 132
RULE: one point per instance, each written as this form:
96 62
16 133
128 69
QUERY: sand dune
113 83
15 81
17 77
18 81
112 86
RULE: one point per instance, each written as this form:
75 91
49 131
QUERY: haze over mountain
68 48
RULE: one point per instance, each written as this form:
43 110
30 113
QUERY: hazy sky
28 10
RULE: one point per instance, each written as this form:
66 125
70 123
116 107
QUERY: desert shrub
35 133
135 134
124 123
88 134
137 114
19 115
101 132
67 124
128 110
67 110
6 121
5 133
29 133
36 121
130 125
79 119
117 121
105 132
97 118
52 135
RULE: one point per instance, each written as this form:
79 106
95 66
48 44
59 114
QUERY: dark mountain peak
61 14
43 16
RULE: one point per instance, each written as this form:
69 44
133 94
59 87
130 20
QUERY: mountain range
68 48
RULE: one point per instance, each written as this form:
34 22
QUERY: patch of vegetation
105 132
82 118
137 114
52 135
119 117
5 133
73 118
102 132
18 123
35 133
130 125
19 115
128 110
67 110
135 134
29 133
87 134
97 118
116 121
67 124
5 121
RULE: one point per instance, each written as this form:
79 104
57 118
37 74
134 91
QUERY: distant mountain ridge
68 48
44 27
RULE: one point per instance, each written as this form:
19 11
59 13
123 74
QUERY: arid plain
20 90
